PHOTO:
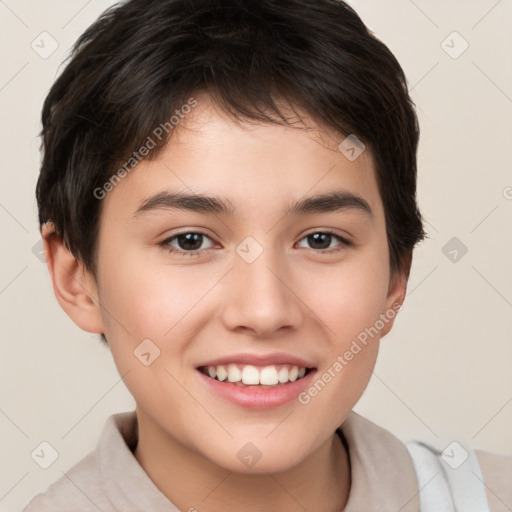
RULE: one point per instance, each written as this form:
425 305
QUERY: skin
293 298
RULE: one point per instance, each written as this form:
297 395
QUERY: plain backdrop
444 371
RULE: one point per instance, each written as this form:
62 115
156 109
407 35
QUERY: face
198 293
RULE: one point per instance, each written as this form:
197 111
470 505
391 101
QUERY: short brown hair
142 60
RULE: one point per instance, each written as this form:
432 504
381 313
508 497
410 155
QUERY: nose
260 297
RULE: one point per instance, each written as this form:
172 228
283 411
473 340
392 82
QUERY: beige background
444 371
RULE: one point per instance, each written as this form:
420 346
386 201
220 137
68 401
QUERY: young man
227 196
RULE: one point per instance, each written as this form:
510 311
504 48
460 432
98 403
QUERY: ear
74 286
396 293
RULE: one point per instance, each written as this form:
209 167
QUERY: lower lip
255 397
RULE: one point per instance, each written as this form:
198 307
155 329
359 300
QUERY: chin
249 460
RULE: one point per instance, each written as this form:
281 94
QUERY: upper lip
259 360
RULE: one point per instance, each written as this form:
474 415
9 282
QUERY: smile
250 375
256 381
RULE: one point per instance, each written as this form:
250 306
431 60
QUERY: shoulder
469 476
92 484
497 473
77 489
382 472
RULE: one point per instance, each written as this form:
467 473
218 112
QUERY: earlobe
396 296
74 286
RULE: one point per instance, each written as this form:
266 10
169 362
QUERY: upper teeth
252 375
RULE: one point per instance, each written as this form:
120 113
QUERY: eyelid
186 231
344 242
346 237
173 250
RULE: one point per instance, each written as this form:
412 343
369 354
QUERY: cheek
152 300
149 311
167 305
349 299
349 303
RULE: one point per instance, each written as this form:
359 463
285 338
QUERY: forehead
253 167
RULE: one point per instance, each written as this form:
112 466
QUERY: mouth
257 382
251 376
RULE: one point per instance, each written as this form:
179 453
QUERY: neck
321 482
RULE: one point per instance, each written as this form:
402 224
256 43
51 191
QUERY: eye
189 243
322 240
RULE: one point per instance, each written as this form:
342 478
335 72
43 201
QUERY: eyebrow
323 203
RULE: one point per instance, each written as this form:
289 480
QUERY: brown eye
189 243
323 240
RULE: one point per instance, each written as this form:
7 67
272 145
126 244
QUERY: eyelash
196 253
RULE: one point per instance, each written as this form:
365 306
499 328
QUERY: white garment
449 477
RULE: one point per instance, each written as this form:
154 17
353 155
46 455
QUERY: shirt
383 478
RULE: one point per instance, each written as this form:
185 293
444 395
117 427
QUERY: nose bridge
260 295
